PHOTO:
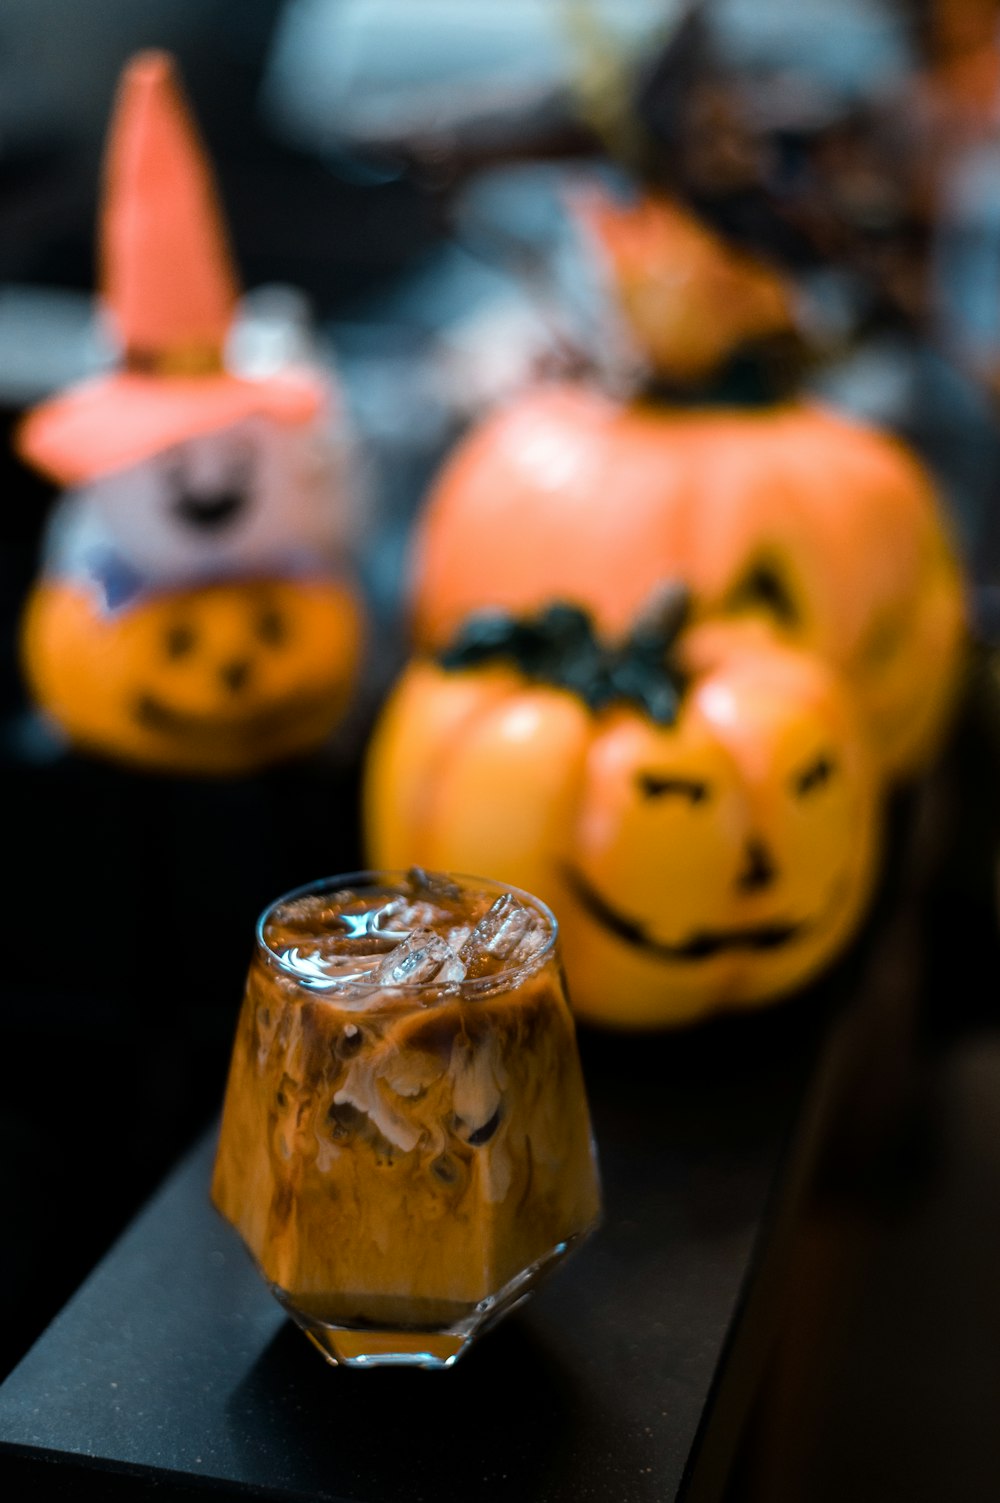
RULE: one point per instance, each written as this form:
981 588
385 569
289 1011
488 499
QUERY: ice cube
502 934
422 956
333 922
432 901
433 885
382 924
418 915
457 936
320 970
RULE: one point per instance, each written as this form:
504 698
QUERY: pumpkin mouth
702 945
153 715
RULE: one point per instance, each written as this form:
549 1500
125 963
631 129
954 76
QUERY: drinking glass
405 1145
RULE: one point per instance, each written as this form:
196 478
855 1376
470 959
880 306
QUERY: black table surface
173 1370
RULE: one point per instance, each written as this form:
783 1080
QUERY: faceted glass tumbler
405 1162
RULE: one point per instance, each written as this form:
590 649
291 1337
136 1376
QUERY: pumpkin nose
758 868
235 674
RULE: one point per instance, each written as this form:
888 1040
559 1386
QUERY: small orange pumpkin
704 819
224 678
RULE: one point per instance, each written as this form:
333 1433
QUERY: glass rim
397 876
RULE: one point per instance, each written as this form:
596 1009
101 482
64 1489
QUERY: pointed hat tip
148 84
150 68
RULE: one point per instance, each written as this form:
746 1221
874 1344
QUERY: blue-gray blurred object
844 50
392 73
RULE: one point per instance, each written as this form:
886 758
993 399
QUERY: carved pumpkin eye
660 785
271 627
764 587
180 640
815 775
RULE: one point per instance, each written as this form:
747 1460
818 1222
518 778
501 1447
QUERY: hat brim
115 421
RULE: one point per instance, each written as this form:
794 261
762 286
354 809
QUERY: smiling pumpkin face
726 860
712 863
221 679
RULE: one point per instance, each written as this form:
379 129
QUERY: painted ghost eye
180 640
815 775
271 627
661 785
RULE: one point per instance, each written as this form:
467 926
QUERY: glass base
361 1343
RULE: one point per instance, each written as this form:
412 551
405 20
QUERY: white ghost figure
241 499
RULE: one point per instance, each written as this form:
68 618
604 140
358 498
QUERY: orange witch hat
170 291
167 275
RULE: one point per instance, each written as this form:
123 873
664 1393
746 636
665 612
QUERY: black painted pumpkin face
724 861
218 679
714 863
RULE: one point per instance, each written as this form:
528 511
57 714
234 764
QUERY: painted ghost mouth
210 512
702 945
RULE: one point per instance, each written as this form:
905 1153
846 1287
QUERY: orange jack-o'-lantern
702 818
225 678
826 527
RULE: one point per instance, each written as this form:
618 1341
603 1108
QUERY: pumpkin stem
757 373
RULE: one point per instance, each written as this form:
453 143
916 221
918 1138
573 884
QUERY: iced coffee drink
405 1144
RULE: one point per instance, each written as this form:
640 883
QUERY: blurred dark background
401 164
